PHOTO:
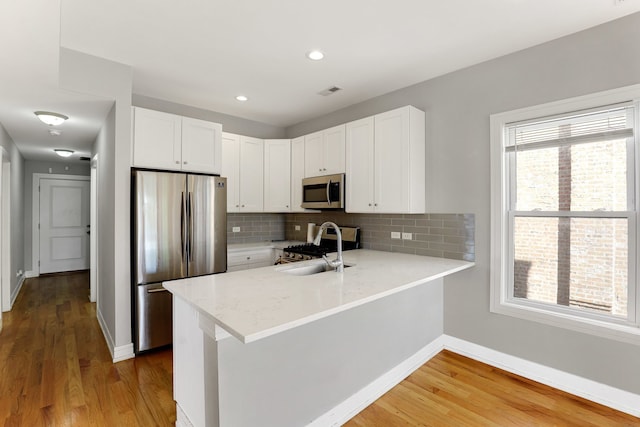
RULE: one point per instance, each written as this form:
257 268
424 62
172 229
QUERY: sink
308 269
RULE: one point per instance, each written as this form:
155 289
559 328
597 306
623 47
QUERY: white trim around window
500 300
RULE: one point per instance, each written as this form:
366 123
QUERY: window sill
619 332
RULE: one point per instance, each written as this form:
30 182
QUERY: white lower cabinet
385 163
277 175
238 259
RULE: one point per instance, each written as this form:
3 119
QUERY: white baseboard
356 403
181 418
612 397
29 274
15 293
123 352
119 353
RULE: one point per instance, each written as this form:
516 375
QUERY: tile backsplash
439 235
255 227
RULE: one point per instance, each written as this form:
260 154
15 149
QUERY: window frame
501 299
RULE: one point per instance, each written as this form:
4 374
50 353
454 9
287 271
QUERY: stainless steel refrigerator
179 229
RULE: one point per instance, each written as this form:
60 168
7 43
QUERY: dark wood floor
55 370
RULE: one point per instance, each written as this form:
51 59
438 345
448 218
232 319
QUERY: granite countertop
258 303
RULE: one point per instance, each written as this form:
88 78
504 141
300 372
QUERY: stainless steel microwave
323 192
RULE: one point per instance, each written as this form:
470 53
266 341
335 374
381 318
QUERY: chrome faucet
336 263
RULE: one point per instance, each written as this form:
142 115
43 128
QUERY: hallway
56 370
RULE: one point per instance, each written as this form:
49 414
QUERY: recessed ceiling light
315 55
62 152
52 119
242 98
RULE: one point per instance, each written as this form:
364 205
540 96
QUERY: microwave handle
329 191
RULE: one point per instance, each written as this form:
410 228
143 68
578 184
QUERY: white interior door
64 225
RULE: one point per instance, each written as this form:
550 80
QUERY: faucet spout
337 263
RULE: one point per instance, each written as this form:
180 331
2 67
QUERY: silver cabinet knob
177 162
369 204
237 206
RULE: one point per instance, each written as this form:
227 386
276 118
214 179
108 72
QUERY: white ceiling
204 53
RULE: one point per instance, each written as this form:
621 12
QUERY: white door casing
93 237
61 223
5 234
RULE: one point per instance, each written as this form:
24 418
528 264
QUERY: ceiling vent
329 91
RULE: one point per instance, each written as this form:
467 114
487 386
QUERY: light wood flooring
453 390
55 370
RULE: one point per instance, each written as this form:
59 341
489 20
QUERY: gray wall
31 167
111 80
17 206
229 123
312 368
458 106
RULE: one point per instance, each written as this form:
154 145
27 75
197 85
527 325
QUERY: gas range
328 244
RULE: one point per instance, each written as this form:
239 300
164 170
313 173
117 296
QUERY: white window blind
608 123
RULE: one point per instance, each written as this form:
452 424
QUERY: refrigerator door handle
182 236
190 224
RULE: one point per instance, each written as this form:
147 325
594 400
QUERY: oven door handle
329 192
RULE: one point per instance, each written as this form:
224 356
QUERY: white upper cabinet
325 152
157 139
277 175
168 141
201 146
231 169
387 150
251 174
360 160
297 173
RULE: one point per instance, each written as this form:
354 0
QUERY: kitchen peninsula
267 347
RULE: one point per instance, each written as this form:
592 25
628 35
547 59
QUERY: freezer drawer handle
153 291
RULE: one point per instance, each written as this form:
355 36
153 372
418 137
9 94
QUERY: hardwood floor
55 370
452 390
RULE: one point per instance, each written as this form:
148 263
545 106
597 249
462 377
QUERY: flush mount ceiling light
55 132
315 55
62 152
52 119
241 98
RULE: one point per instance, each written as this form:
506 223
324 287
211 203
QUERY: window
564 214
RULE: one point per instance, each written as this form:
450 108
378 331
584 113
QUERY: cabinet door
360 166
156 139
277 175
251 174
334 150
297 173
230 169
392 161
313 154
201 146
